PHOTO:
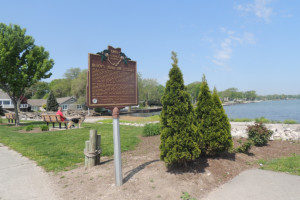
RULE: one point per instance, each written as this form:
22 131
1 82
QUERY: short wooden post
92 150
98 147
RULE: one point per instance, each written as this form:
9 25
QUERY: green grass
241 120
137 121
63 150
290 165
290 121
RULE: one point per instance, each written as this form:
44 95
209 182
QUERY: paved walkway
256 184
20 178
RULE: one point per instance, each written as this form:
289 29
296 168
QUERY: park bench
52 118
10 117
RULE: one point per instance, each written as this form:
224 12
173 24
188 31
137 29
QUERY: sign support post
117 147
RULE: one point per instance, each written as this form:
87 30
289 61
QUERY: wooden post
86 149
92 147
98 147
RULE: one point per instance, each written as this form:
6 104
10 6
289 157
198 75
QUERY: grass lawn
290 165
63 150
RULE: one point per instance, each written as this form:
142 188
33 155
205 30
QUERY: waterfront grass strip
63 150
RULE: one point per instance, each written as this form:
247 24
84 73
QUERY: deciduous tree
22 63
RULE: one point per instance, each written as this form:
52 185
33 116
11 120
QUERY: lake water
273 110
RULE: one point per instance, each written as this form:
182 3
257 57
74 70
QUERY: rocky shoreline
280 131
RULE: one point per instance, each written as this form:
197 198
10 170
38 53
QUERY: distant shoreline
229 103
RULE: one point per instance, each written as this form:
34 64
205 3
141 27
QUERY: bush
44 128
259 134
212 122
245 147
151 129
29 128
289 121
1 111
178 133
262 120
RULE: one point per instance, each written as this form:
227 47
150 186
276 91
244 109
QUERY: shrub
1 111
151 129
262 120
259 134
178 134
29 128
241 120
289 121
212 122
245 147
44 128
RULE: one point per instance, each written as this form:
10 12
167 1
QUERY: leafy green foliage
244 147
151 129
241 120
78 87
37 91
290 121
52 104
44 128
259 134
72 73
178 136
22 63
60 87
187 196
29 127
262 120
194 89
212 122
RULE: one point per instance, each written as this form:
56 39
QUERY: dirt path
146 177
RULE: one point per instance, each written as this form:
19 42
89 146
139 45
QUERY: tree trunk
16 112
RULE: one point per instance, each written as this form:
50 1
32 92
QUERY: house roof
3 95
64 99
36 102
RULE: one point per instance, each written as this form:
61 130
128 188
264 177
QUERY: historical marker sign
112 80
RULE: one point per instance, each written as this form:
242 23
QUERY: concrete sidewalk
256 184
21 178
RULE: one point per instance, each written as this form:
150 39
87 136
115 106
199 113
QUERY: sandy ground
146 177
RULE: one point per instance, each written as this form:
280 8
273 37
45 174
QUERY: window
79 107
6 102
65 107
24 106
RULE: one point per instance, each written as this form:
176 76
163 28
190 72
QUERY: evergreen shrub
259 134
212 122
52 104
179 141
44 128
151 129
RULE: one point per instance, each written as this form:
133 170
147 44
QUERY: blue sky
249 45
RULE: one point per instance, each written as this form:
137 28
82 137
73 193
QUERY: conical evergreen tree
179 142
52 104
212 122
222 127
1 111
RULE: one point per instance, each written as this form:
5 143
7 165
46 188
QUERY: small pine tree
222 126
179 142
52 104
212 122
1 111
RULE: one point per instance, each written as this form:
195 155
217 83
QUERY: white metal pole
117 148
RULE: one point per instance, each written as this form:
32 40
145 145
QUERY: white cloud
259 8
224 50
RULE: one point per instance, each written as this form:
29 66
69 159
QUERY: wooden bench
10 117
52 118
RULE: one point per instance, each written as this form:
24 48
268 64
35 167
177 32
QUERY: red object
61 115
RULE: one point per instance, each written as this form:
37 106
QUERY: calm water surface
273 110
